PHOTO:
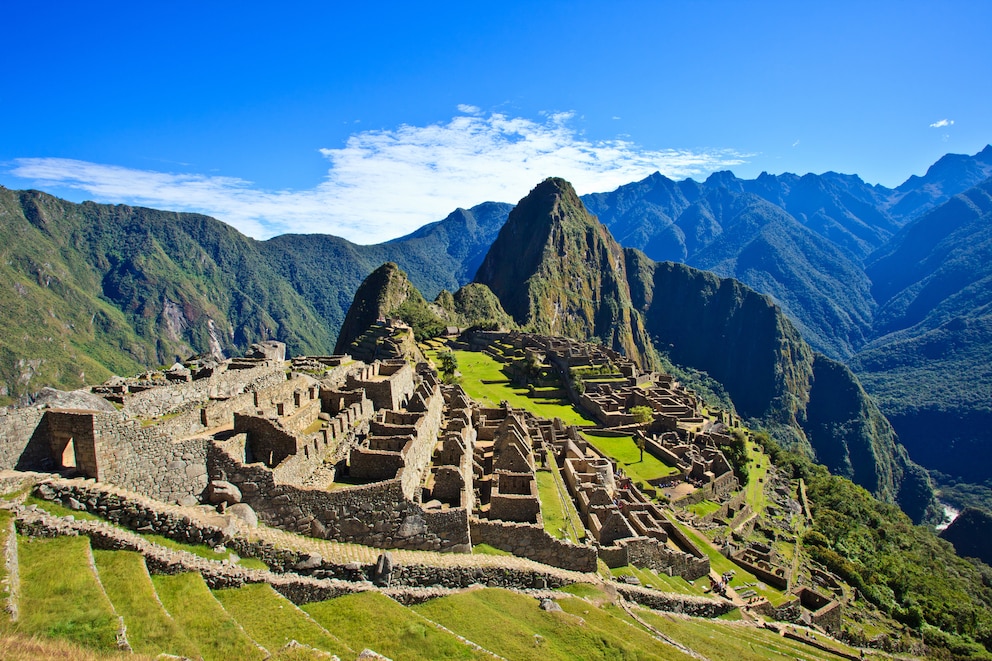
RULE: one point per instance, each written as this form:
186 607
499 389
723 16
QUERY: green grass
58 509
61 596
561 520
202 618
486 549
757 468
662 582
704 507
719 641
372 620
477 368
5 517
201 550
252 563
513 626
273 621
628 456
583 590
743 579
150 630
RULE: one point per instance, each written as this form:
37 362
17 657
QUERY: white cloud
795 144
942 123
386 183
469 109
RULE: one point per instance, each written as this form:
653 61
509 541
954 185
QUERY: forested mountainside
929 364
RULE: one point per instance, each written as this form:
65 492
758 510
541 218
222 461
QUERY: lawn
625 451
662 582
743 579
704 507
719 641
757 468
514 626
372 620
484 381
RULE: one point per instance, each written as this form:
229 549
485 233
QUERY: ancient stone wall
23 440
142 459
190 395
533 542
377 515
651 554
675 603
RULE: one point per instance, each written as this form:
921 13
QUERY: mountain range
893 283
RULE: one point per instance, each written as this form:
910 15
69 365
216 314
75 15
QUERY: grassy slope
513 625
61 596
150 630
625 451
189 601
726 642
273 620
393 630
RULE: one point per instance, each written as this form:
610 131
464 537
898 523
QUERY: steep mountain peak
380 294
557 270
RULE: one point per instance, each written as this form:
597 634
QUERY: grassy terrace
757 471
273 621
484 381
60 594
395 631
719 641
663 582
561 519
628 456
513 626
743 580
150 630
201 617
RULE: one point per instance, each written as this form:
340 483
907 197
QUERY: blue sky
367 120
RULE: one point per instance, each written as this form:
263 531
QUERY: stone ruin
382 454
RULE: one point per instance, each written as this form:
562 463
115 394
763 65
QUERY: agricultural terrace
484 381
625 451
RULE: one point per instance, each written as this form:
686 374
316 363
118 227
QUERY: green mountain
91 290
557 271
773 376
94 289
928 366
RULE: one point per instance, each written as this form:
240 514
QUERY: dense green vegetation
904 570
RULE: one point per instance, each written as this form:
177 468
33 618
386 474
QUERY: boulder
221 491
245 513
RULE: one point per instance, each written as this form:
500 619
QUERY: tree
642 414
449 365
639 440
